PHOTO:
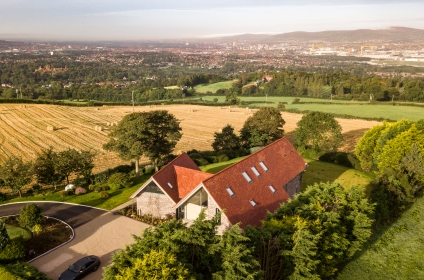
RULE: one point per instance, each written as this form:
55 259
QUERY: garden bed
53 234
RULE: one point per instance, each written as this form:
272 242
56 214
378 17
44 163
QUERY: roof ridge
169 163
251 155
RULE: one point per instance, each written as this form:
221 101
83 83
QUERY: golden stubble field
27 129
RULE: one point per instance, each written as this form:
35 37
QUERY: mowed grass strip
396 252
213 87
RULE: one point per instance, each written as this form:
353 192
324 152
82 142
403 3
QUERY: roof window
230 192
262 164
169 184
255 171
252 202
272 188
247 177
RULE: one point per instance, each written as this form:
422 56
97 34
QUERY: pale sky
172 19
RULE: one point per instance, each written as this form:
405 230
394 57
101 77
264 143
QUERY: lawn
91 198
396 252
213 87
15 231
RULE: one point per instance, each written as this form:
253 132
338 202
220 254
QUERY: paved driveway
99 235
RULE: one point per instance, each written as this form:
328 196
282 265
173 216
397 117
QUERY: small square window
169 184
262 164
247 177
230 192
252 202
272 188
256 171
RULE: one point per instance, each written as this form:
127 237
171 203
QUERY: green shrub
118 180
223 158
30 215
14 251
104 195
5 274
92 187
3 197
102 188
341 158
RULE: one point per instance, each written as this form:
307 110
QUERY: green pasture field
396 252
15 232
213 87
388 111
368 111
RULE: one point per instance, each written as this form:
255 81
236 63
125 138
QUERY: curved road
97 232
74 214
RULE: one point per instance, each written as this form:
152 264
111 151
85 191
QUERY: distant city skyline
92 20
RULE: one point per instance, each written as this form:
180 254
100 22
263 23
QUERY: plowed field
24 128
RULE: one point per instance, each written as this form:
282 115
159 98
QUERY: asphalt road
73 214
97 232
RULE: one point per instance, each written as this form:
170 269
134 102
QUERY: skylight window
230 192
262 164
272 188
256 171
247 177
252 202
169 184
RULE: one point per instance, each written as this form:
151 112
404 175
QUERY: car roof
85 260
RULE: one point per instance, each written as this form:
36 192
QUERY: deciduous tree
152 134
226 139
45 168
263 127
319 132
16 174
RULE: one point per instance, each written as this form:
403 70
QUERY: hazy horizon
131 20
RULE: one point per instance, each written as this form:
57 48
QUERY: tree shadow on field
351 138
290 136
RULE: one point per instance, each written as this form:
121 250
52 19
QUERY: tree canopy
226 139
309 236
319 132
152 134
16 174
198 251
263 127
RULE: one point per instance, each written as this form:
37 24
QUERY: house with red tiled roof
245 191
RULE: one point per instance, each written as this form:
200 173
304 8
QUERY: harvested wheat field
27 129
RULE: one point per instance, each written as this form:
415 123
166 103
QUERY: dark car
81 268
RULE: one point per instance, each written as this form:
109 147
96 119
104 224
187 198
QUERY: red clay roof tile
283 163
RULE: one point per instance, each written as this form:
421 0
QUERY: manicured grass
316 172
394 253
320 171
213 87
15 232
172 87
91 198
216 167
